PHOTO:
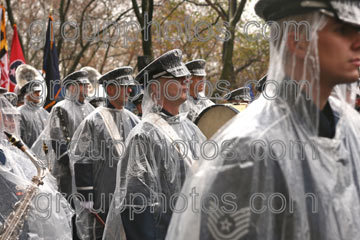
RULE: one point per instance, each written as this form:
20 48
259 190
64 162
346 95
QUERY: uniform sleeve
82 160
57 134
248 200
142 179
84 179
23 132
58 119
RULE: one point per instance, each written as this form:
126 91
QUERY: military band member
95 152
48 223
33 116
16 173
97 96
196 101
160 152
289 165
64 119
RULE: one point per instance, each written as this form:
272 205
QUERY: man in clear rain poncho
96 147
64 118
49 214
10 122
288 166
160 151
196 100
97 96
32 85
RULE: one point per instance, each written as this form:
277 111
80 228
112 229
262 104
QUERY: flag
4 60
51 68
16 59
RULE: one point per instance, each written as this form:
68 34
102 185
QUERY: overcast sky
249 10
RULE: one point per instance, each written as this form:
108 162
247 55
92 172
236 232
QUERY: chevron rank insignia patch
224 226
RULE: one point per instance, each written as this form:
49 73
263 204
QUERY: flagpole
52 29
51 8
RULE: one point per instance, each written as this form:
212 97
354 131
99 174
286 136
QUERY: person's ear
128 89
153 88
297 44
110 90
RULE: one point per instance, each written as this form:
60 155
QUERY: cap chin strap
198 72
161 74
174 69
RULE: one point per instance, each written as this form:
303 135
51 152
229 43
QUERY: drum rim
212 106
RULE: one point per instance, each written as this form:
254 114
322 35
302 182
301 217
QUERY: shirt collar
166 113
327 122
109 105
306 110
169 117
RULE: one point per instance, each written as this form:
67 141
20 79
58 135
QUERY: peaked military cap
78 76
138 97
196 67
28 79
12 98
240 94
344 10
121 75
168 65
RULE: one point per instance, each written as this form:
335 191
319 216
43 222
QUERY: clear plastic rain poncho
10 122
62 122
280 172
33 119
49 214
31 85
158 156
93 161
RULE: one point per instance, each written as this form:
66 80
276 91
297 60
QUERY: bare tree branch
87 45
210 51
172 11
82 20
106 54
34 55
202 30
63 14
212 24
198 4
239 11
92 55
247 64
219 11
137 12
